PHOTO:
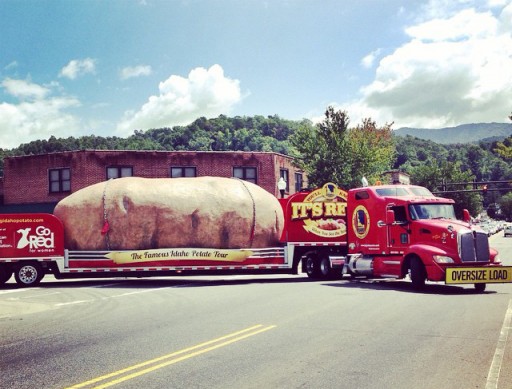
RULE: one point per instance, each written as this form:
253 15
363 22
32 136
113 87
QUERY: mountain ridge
464 133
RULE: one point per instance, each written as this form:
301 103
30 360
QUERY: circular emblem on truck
361 221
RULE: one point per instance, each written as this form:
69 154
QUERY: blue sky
109 67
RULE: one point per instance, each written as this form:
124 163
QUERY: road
255 332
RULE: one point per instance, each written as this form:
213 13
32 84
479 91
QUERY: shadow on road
162 282
406 286
226 280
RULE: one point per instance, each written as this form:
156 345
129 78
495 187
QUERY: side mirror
467 216
390 216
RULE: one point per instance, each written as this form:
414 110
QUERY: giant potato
149 213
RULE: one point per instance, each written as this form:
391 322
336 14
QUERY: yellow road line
170 358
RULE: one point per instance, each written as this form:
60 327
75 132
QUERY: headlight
443 259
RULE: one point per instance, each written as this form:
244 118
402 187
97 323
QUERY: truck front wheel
28 274
480 288
417 273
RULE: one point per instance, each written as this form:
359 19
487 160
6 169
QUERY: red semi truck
385 231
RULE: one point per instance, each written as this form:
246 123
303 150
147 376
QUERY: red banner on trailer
31 235
317 216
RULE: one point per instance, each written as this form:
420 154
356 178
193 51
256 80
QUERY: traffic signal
484 189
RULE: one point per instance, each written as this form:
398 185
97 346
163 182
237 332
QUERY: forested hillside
256 133
273 133
481 159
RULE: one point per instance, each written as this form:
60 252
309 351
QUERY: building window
119 171
283 173
183 171
246 173
298 182
59 180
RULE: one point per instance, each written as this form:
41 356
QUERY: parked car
507 230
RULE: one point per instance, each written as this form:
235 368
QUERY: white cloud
497 3
24 89
369 59
205 92
454 69
36 116
78 67
506 19
135 71
466 24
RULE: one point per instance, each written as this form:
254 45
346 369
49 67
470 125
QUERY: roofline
152 152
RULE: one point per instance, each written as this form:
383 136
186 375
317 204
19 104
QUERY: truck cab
399 230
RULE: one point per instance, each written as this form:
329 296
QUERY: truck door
398 232
397 240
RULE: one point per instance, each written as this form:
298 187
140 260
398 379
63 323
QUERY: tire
418 274
5 274
28 274
312 266
480 288
324 268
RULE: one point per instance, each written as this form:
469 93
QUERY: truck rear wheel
417 273
28 274
324 267
5 274
312 266
318 266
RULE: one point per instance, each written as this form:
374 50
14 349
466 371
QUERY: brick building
37 182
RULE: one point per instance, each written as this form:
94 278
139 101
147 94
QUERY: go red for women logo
41 238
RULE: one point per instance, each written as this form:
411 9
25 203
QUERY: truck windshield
431 211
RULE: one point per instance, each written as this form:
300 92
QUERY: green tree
330 151
412 152
371 151
506 206
505 148
320 149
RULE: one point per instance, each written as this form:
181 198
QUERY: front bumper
478 275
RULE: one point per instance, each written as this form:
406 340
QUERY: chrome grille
474 246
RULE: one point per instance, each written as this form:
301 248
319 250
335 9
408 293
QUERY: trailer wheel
28 274
480 288
5 274
312 266
417 273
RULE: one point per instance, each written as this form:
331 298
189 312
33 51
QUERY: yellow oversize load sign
478 275
176 255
